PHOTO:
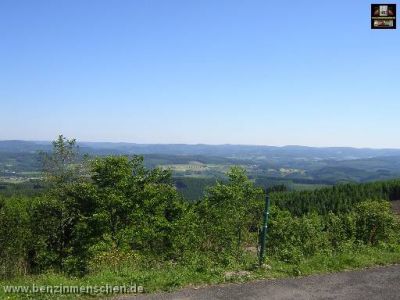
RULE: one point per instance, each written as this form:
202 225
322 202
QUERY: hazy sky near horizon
242 72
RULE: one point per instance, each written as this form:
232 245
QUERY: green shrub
15 236
340 229
227 215
291 238
374 221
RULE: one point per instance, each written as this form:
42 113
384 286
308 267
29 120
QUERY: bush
227 215
15 237
291 238
374 221
340 229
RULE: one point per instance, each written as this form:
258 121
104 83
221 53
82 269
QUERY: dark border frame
372 15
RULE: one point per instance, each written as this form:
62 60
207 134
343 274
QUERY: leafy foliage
228 214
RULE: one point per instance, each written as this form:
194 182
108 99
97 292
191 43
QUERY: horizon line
206 144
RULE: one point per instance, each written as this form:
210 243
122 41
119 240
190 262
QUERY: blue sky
241 72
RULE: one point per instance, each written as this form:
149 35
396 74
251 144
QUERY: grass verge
169 277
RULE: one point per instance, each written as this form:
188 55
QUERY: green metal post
264 229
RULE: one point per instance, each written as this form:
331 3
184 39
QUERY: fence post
264 230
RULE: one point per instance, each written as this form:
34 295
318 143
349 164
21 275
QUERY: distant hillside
23 146
233 151
196 166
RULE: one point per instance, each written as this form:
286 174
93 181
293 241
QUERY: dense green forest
337 199
112 216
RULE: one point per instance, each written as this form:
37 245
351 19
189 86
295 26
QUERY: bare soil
396 206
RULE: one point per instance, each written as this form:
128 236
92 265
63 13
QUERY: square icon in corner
383 16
